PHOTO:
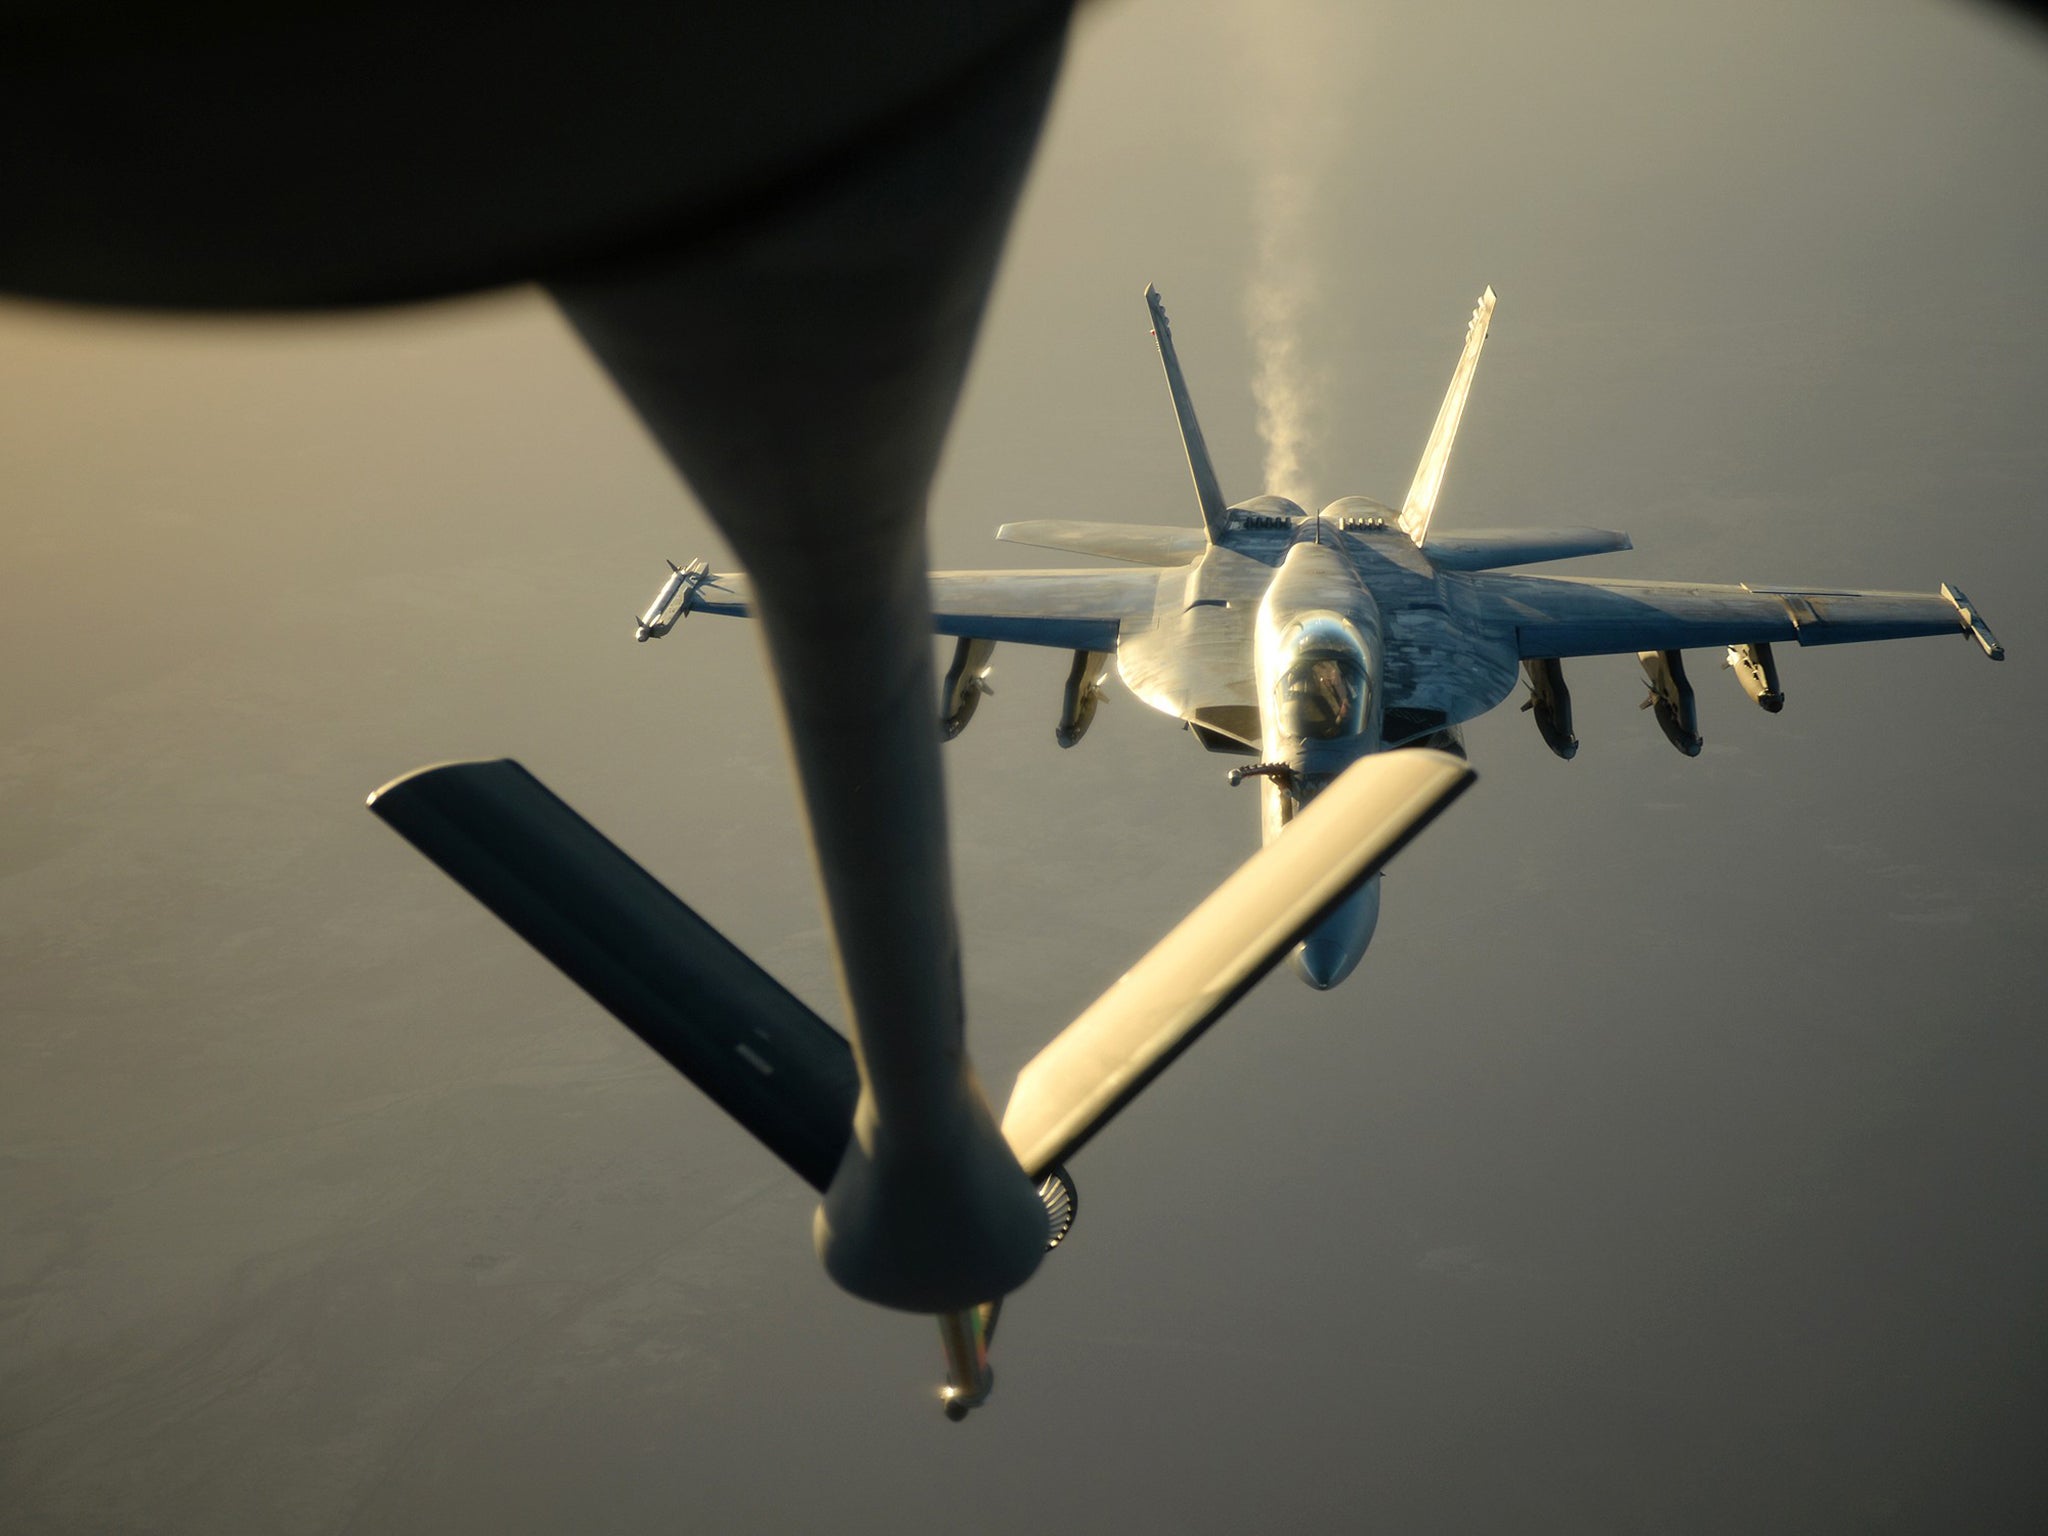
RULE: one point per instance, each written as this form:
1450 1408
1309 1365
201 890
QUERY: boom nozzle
969 1377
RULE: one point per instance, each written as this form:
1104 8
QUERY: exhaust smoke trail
1303 61
1282 293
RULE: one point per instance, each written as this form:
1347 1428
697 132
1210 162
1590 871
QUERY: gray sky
1675 1160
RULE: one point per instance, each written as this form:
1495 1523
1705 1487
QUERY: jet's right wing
1067 610
1555 616
1071 610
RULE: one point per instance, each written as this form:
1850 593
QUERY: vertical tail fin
1215 517
1429 474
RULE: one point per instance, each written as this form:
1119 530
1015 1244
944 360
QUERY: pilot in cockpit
1320 697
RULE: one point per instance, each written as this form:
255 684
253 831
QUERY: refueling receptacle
1280 773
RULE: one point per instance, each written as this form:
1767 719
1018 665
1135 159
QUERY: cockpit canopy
1324 685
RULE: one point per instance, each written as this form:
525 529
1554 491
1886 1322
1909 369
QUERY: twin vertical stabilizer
1429 474
1215 515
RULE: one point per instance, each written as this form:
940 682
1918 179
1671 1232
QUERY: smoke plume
1301 62
1281 296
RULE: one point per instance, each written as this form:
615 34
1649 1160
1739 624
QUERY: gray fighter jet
1308 641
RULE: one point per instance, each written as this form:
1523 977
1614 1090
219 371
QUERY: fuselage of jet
1323 616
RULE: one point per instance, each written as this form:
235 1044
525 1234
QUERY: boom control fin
1240 931
790 1079
700 1004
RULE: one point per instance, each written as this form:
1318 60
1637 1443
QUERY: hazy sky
1675 1161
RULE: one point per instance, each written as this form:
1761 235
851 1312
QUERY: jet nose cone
1333 949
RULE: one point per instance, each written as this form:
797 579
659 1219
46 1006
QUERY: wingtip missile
673 601
1973 623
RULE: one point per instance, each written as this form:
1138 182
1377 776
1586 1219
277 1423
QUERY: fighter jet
1310 641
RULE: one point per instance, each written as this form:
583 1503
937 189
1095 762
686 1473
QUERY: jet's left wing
1558 616
1069 610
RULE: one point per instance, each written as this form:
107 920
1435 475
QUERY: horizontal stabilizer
1138 543
1159 1007
1068 610
1493 549
618 933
